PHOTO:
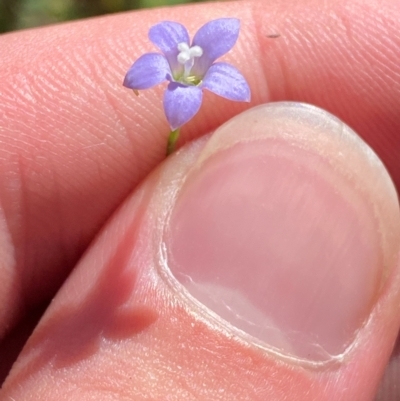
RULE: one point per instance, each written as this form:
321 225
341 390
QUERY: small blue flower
189 68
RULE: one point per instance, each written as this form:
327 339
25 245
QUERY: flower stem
172 139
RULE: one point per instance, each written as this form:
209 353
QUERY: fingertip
189 258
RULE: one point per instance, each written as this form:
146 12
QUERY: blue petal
226 81
215 38
166 36
147 71
181 103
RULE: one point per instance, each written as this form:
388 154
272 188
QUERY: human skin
75 144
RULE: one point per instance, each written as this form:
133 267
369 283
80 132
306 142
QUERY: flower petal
226 81
181 103
166 36
216 38
147 71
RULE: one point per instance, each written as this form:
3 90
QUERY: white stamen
183 47
187 55
196 51
183 57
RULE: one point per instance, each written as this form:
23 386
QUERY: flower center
186 57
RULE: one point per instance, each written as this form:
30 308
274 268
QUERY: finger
389 389
260 265
74 142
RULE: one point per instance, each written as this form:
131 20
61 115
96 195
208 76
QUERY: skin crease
62 171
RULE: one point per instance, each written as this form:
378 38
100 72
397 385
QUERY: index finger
74 142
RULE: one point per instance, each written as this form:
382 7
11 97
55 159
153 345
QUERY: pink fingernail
276 238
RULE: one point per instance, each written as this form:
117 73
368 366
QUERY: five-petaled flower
189 68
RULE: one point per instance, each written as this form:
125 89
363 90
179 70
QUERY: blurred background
20 14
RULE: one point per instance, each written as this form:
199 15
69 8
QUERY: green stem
172 139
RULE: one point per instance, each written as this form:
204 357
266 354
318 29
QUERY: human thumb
259 263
